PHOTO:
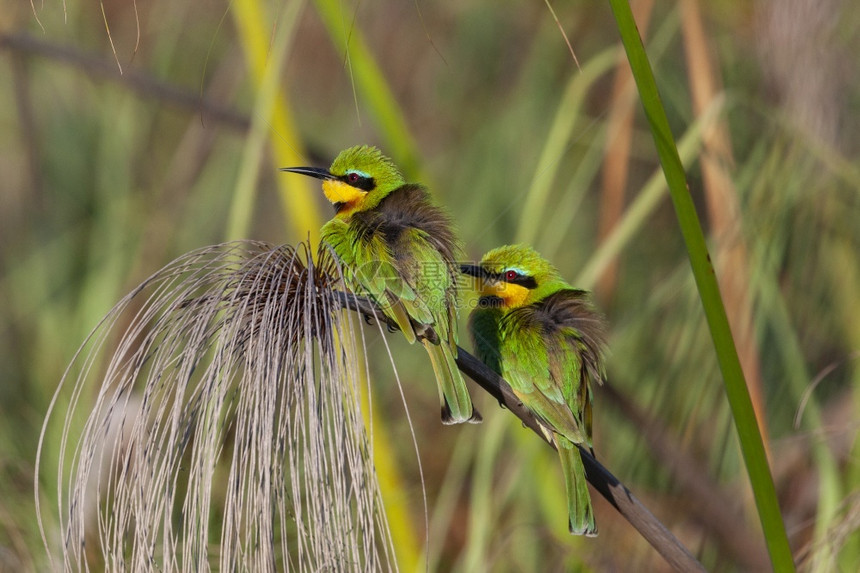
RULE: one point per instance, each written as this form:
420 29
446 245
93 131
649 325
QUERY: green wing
370 267
541 368
578 332
575 377
413 284
429 276
484 330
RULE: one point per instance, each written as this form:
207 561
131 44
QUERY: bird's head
513 276
358 179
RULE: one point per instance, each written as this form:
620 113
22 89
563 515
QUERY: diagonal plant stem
267 88
751 442
250 19
137 82
610 487
371 84
710 503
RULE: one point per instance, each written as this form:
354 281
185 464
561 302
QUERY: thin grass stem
743 413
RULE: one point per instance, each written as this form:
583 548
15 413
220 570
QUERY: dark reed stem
138 82
610 487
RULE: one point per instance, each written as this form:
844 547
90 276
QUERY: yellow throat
339 192
512 295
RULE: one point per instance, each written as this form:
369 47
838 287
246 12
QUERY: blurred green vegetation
107 177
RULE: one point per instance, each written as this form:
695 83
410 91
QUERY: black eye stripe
363 183
528 282
523 281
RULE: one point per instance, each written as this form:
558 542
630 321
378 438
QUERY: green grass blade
267 99
483 506
647 200
372 86
752 445
557 143
830 490
300 210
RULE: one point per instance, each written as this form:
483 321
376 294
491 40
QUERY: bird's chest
367 231
365 241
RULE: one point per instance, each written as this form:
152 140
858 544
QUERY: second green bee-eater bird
545 338
399 248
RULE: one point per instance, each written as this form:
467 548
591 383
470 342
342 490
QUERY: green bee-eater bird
399 248
545 338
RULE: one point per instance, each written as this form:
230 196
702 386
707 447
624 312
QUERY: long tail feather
456 402
397 311
580 512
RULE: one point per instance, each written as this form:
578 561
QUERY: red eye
511 275
352 177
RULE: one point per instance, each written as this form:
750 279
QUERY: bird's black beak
474 270
316 172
